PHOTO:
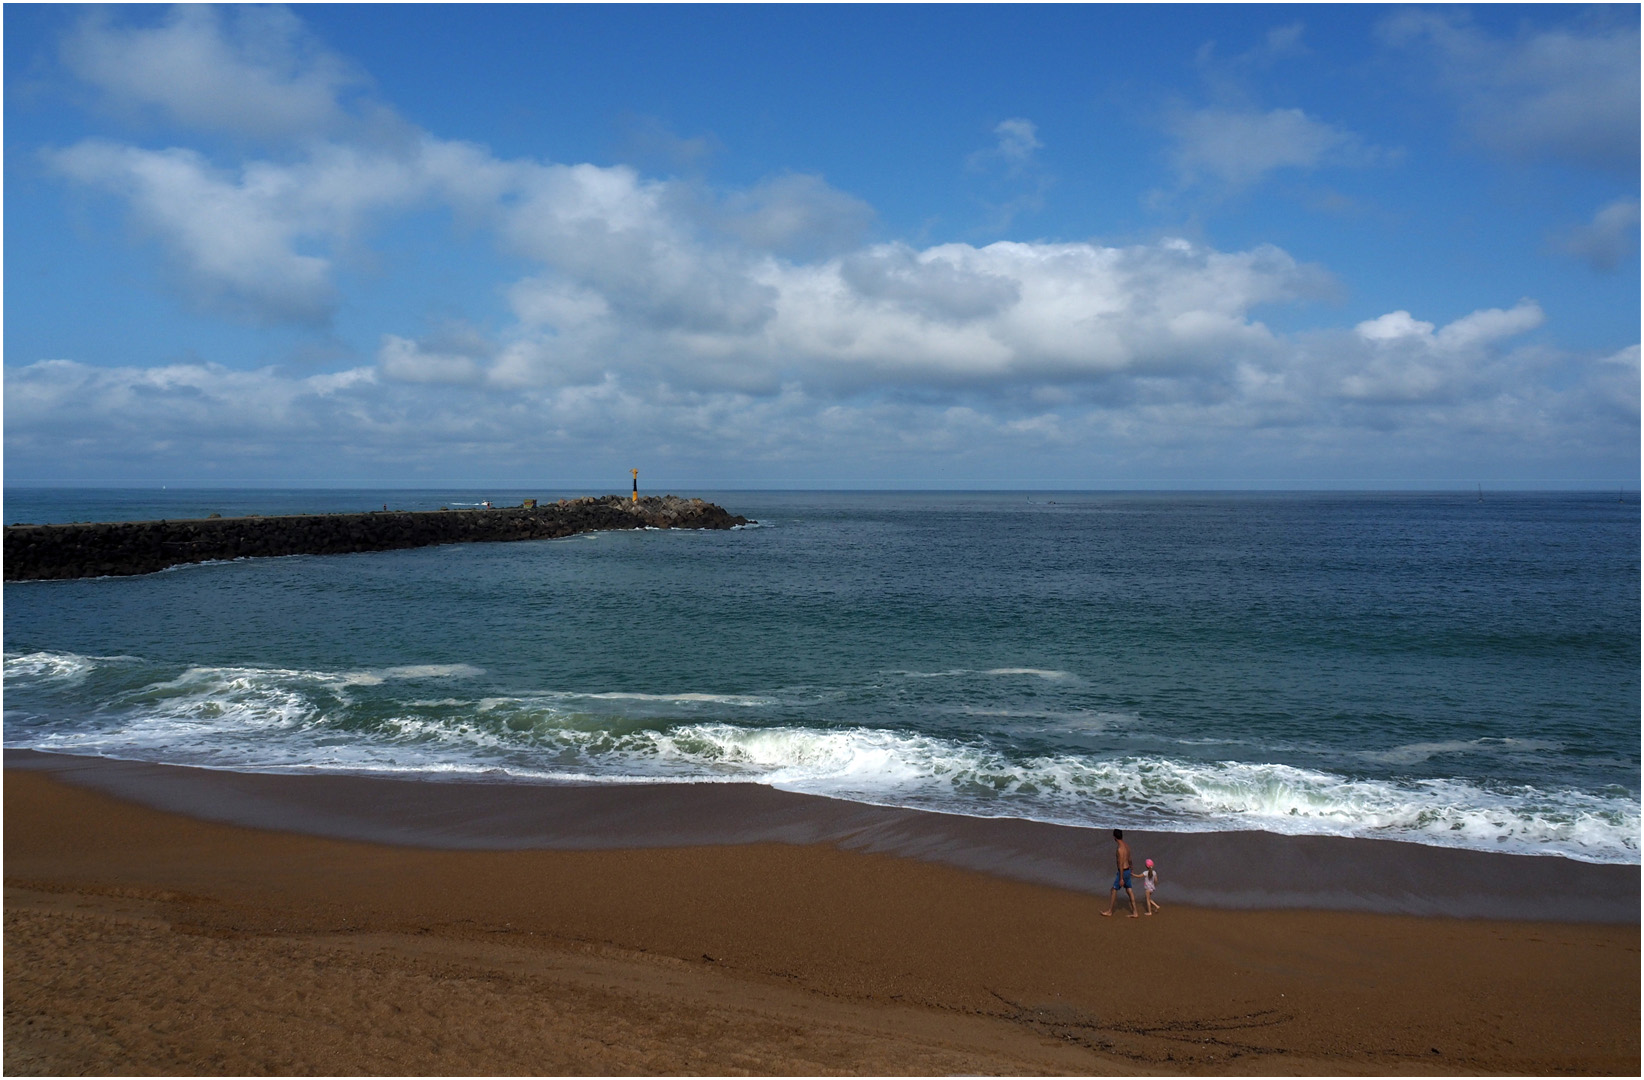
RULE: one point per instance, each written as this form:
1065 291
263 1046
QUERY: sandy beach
141 940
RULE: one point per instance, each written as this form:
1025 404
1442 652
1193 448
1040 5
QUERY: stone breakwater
36 552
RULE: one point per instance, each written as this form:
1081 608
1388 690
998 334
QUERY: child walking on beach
1150 881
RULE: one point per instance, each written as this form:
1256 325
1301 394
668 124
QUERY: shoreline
1232 870
142 941
125 548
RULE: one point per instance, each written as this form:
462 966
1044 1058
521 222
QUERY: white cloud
408 361
1240 146
927 284
647 141
1489 326
1017 139
1015 142
261 240
556 305
250 70
234 238
181 407
1614 388
1604 242
1398 393
953 315
723 328
1010 170
1565 94
627 239
796 215
643 278
1013 311
1394 326
649 277
1284 41
1404 359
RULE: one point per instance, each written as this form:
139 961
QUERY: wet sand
141 940
1243 870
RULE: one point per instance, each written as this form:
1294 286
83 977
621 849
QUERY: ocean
1432 667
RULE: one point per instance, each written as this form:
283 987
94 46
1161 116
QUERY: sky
989 246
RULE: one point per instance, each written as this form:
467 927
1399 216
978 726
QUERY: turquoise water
1427 666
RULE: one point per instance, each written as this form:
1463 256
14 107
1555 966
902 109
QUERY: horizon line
1102 484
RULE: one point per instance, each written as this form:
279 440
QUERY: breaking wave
415 720
1047 674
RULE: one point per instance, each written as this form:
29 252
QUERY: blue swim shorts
1121 876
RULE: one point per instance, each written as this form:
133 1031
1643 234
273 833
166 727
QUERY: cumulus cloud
1613 385
1284 41
645 274
1395 392
189 414
260 239
929 285
946 316
797 215
1240 146
624 237
958 313
1010 170
647 141
1015 142
1404 359
746 291
660 316
247 71
1602 243
233 237
1567 94
1280 42
409 361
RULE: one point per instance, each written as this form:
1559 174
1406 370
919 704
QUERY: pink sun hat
1150 862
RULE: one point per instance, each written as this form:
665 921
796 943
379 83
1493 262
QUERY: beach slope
141 941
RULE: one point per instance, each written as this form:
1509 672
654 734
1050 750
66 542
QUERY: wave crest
253 719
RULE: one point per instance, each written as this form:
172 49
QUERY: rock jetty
35 552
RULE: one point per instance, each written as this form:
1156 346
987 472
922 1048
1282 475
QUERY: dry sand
139 941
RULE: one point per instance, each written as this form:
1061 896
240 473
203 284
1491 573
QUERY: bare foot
1150 913
1105 914
1133 915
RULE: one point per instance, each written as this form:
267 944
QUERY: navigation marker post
636 485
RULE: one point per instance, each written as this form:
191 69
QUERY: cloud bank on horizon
780 330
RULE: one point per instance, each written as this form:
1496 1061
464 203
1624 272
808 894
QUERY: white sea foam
204 701
296 719
893 767
422 729
1041 673
432 671
412 671
1416 753
740 700
48 665
1047 674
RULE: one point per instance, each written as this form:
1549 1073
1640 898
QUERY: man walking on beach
1121 880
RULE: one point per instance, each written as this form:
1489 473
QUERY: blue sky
788 246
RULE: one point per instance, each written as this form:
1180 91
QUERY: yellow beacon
636 485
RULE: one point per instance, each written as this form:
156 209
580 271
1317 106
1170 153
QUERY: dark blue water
1422 666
